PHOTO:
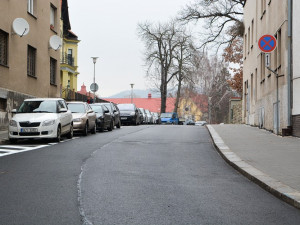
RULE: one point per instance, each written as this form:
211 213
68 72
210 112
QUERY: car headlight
13 123
132 113
77 120
48 122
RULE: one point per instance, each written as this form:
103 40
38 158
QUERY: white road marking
14 149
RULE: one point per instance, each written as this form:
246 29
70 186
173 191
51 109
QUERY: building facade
69 55
28 67
266 93
296 69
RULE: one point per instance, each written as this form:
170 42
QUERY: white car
200 123
41 118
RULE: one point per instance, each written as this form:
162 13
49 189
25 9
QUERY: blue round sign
267 43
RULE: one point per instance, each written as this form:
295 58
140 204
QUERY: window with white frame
52 16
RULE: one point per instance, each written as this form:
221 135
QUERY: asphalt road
134 175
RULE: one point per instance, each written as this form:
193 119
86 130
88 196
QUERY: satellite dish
55 42
20 27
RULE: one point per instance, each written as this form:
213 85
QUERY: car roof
42 99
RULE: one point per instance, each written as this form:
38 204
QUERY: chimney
149 96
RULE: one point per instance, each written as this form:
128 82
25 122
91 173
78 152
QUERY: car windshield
43 106
76 108
108 106
97 108
166 115
126 107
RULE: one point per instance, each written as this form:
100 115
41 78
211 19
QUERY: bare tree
160 43
223 20
183 63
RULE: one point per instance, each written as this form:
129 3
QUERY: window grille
3 47
53 63
31 61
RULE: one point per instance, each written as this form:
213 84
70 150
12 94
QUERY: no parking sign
267 43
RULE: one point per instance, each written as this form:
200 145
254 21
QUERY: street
150 174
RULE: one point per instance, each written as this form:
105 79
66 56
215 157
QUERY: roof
42 99
152 104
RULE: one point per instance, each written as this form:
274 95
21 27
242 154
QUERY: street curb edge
275 187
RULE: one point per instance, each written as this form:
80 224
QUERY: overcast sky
108 29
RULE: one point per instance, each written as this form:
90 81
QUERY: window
30 6
53 63
52 17
262 66
252 31
245 40
3 105
248 39
279 48
3 48
70 57
31 61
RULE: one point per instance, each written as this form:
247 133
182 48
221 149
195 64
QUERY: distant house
152 104
235 110
68 61
194 107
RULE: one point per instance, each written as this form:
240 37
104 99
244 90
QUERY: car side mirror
106 111
115 111
14 111
63 110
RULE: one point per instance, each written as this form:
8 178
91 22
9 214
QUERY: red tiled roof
152 104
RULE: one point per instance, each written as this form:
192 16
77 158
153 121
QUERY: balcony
67 59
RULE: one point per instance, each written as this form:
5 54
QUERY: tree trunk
178 93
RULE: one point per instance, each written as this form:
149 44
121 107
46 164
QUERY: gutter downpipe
290 39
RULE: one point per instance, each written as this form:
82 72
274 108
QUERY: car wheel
86 129
13 141
70 134
58 134
119 124
94 130
110 128
101 128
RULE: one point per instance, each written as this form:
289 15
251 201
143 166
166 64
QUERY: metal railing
67 59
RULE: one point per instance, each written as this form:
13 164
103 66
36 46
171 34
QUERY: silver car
84 118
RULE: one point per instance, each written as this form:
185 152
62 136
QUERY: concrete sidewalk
271 161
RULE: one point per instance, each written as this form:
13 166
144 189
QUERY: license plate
29 130
123 118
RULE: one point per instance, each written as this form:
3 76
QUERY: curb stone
275 187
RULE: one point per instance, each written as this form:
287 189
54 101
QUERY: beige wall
14 77
265 17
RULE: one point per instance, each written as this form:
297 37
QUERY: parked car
149 116
190 122
129 114
200 123
41 118
115 112
104 118
84 118
156 118
145 118
141 120
169 118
